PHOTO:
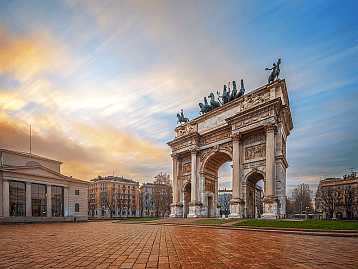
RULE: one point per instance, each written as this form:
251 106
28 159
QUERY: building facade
338 197
113 197
147 202
33 189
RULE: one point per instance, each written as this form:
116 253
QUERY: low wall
9 220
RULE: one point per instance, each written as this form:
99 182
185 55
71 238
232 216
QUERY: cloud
24 57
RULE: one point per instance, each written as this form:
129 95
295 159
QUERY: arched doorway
186 199
254 195
209 176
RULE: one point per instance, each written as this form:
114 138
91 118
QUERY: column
194 205
66 212
49 202
6 197
176 208
194 184
236 203
270 160
175 179
270 200
28 200
236 186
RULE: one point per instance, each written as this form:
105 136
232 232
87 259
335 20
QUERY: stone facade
114 197
250 131
27 190
338 197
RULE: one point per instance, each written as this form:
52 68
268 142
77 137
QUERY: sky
101 82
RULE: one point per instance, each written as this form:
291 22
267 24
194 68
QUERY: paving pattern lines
114 245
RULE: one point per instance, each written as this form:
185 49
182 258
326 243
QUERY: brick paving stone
114 245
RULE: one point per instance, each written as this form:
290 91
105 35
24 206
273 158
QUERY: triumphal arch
250 131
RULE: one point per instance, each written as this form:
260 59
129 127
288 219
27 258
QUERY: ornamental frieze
186 129
255 151
254 119
215 138
184 145
254 138
252 100
254 165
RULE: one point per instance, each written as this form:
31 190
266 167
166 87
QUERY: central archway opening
225 188
255 186
211 181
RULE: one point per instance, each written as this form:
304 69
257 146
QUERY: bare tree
110 200
301 198
162 193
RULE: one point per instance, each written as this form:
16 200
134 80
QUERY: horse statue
207 106
226 95
275 71
242 89
202 108
181 118
213 103
234 91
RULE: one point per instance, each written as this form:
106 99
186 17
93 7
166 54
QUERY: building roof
25 154
113 178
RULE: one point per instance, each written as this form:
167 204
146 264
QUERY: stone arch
209 178
253 194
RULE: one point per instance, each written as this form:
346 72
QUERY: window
38 200
77 192
17 199
57 201
77 207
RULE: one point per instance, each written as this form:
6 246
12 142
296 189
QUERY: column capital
175 156
193 149
237 137
270 127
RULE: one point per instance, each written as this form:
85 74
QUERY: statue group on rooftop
226 97
229 95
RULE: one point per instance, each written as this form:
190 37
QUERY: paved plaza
110 244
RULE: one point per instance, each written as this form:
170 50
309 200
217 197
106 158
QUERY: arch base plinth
176 210
236 209
194 209
270 209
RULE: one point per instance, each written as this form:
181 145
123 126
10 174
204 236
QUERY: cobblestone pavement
110 244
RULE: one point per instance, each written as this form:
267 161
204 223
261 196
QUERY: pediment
35 171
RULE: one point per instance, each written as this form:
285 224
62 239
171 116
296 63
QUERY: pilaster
49 201
5 197
28 200
270 199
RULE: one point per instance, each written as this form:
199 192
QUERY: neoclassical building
32 189
251 131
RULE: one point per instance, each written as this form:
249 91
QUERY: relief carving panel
255 151
186 168
214 138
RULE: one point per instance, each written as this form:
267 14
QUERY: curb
333 233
